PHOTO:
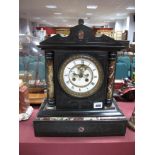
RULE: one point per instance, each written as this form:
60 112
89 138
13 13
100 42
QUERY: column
111 77
49 76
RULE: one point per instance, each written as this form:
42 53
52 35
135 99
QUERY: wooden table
37 98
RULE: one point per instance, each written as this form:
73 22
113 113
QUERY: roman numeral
82 61
67 82
93 83
74 63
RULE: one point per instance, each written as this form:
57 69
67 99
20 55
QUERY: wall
120 25
24 26
131 29
126 24
111 25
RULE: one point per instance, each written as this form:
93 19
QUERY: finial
80 21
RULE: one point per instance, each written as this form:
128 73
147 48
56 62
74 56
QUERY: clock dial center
80 75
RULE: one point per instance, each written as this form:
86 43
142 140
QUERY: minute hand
75 74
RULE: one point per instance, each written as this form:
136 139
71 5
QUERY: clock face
81 76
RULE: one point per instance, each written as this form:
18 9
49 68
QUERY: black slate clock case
64 115
66 101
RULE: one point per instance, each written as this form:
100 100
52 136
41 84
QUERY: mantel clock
80 73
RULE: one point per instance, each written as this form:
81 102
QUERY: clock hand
75 74
86 75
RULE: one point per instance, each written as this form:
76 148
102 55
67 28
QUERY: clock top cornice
82 36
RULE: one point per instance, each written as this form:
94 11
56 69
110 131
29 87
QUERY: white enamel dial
80 76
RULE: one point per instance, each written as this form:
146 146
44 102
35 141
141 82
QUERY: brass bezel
85 94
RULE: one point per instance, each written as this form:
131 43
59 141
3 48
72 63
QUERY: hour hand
85 75
74 74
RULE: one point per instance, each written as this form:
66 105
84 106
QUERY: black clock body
66 101
69 113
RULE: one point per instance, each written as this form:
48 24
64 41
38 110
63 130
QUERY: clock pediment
81 35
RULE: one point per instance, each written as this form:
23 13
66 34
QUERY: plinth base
53 122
